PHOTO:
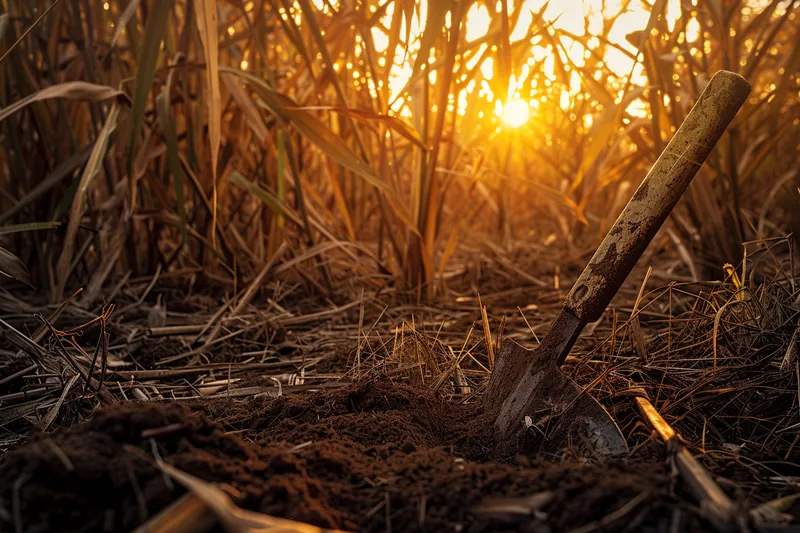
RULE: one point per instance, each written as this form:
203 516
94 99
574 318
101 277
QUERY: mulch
371 457
366 413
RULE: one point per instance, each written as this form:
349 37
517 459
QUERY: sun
515 113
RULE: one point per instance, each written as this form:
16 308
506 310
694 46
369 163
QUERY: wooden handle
657 195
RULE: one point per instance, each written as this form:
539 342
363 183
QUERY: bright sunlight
515 113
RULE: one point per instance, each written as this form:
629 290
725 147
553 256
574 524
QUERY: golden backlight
515 113
576 17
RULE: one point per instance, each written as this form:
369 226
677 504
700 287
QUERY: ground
366 413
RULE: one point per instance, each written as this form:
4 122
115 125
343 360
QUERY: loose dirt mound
374 457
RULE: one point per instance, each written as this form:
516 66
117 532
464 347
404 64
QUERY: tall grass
202 135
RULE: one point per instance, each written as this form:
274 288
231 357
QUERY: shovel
527 388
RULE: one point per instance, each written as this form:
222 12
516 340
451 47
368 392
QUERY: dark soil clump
373 414
363 458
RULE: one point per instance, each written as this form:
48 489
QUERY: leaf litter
354 417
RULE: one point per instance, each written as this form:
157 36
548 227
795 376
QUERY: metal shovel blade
555 412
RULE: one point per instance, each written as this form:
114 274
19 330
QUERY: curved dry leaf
51 415
13 267
71 90
251 114
604 131
319 134
765 150
274 203
365 116
310 127
31 226
233 518
76 213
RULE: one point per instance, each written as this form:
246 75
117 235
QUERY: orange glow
574 16
515 113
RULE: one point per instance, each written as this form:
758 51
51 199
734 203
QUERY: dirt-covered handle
657 195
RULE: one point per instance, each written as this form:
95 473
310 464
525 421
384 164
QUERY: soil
372 457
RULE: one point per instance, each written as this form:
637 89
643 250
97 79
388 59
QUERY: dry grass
717 359
199 164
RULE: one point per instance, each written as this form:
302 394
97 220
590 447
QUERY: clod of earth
373 457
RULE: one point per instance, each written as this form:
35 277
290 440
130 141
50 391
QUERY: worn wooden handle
657 195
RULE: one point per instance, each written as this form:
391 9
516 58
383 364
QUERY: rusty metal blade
546 402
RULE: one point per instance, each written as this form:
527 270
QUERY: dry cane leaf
11 266
73 90
91 170
249 109
326 140
51 415
365 116
233 518
209 35
30 226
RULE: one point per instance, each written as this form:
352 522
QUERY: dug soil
374 457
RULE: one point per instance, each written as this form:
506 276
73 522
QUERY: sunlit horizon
574 19
574 16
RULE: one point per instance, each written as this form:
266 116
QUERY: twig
713 500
